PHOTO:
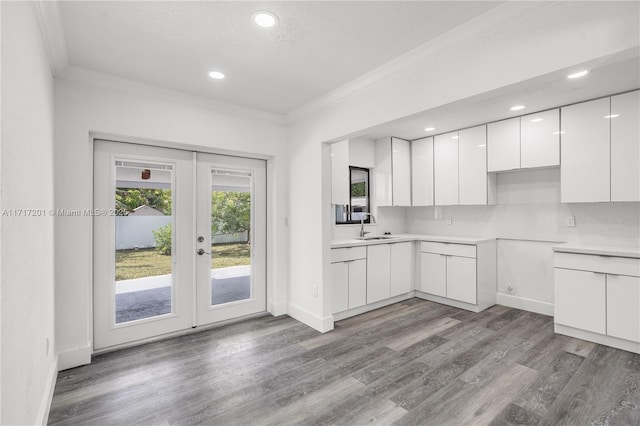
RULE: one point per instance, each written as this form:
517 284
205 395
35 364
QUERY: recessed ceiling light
562 132
429 129
265 19
578 74
537 120
517 107
482 145
217 75
455 137
612 116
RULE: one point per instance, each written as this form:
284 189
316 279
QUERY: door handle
201 252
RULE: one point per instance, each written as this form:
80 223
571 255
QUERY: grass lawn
148 262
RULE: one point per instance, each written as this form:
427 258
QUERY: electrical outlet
315 291
509 290
571 221
449 220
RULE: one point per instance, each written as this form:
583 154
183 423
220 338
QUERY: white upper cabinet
340 173
445 158
503 145
401 171
422 172
472 163
540 139
585 152
625 147
393 172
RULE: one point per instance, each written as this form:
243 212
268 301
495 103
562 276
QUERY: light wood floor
413 363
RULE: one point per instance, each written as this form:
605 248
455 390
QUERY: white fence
240 237
137 232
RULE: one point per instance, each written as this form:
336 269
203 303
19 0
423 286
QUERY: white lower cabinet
357 283
348 278
452 273
461 279
401 268
378 272
623 307
579 299
433 279
597 298
340 286
364 275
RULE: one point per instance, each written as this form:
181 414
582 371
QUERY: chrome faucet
362 231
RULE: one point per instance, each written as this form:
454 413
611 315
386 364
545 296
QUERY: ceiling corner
50 21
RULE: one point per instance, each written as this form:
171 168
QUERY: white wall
530 219
516 41
27 268
110 106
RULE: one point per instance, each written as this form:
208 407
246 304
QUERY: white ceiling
317 47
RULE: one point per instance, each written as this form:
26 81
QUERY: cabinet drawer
348 253
452 249
605 264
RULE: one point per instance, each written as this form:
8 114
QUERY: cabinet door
461 279
378 272
472 154
422 172
340 173
357 283
623 307
540 139
383 179
445 159
625 147
340 286
433 274
579 299
401 172
585 152
503 145
401 267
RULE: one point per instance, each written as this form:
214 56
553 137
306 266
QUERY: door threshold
178 333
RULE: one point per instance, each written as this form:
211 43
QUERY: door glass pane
231 218
143 240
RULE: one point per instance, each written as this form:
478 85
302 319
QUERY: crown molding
50 22
480 28
111 83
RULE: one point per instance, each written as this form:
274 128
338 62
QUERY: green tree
162 236
132 198
230 212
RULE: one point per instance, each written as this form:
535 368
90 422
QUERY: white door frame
269 243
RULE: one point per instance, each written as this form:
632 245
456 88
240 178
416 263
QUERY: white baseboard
531 305
598 338
321 324
278 308
373 306
74 357
45 405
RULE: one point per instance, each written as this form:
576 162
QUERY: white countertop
399 238
602 250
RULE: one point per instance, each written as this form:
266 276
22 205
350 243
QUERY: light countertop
601 250
399 238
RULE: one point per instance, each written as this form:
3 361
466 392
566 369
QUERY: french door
179 240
